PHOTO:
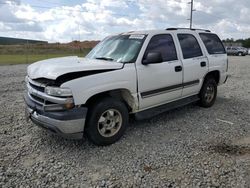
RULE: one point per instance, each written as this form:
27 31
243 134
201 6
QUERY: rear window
212 43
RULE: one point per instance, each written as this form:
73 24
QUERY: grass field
26 54
27 59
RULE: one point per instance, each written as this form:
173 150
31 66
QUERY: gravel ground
186 147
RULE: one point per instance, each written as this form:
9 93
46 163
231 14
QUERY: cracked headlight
57 91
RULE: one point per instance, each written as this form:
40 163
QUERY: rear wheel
107 121
208 92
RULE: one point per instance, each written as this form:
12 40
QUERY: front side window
164 44
213 43
120 48
189 46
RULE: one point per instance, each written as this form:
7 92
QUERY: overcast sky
63 21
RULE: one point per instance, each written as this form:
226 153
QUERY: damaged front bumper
68 124
43 110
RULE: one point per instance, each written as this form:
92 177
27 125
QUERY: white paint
52 68
134 77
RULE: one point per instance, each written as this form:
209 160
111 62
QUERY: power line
212 15
67 9
53 3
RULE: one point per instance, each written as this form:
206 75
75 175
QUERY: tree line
245 42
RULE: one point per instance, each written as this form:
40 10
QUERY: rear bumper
68 124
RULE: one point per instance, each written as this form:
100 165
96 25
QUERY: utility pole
191 13
79 32
79 38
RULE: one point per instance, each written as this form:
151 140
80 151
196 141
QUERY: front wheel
208 92
107 121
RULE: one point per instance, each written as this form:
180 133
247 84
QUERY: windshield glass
120 48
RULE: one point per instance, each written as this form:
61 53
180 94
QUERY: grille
39 88
35 88
37 99
36 92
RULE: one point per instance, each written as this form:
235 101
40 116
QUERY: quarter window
165 45
212 43
189 46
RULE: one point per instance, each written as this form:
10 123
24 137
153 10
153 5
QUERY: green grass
22 54
23 59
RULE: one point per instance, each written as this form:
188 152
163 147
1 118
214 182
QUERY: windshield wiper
105 58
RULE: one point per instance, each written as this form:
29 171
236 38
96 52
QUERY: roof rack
193 29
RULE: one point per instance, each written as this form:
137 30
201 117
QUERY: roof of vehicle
146 32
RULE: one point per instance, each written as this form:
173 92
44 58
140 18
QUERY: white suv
140 72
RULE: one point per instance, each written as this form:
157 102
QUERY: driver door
159 83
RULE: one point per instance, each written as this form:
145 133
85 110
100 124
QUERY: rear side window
189 46
165 45
212 43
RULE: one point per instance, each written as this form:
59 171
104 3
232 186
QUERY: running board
146 114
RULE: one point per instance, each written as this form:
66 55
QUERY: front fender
85 87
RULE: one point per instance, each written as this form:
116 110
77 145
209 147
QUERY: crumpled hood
53 68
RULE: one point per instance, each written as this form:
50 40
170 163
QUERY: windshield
120 48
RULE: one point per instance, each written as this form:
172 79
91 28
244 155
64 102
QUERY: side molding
159 91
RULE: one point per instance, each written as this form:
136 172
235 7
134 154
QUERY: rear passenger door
195 63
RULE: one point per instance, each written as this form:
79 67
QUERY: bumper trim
55 131
72 114
68 129
67 123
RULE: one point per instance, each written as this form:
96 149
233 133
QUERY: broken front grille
36 92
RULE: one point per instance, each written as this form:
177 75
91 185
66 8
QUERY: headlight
57 91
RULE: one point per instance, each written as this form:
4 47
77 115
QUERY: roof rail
193 29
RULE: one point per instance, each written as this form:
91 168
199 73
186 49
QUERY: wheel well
123 95
215 75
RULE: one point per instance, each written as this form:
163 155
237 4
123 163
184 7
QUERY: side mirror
152 57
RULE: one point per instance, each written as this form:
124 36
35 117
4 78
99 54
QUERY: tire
107 121
208 92
240 54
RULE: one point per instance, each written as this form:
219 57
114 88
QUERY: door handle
178 68
203 64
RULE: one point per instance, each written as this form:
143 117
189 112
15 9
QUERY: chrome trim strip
162 92
191 85
35 99
168 89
